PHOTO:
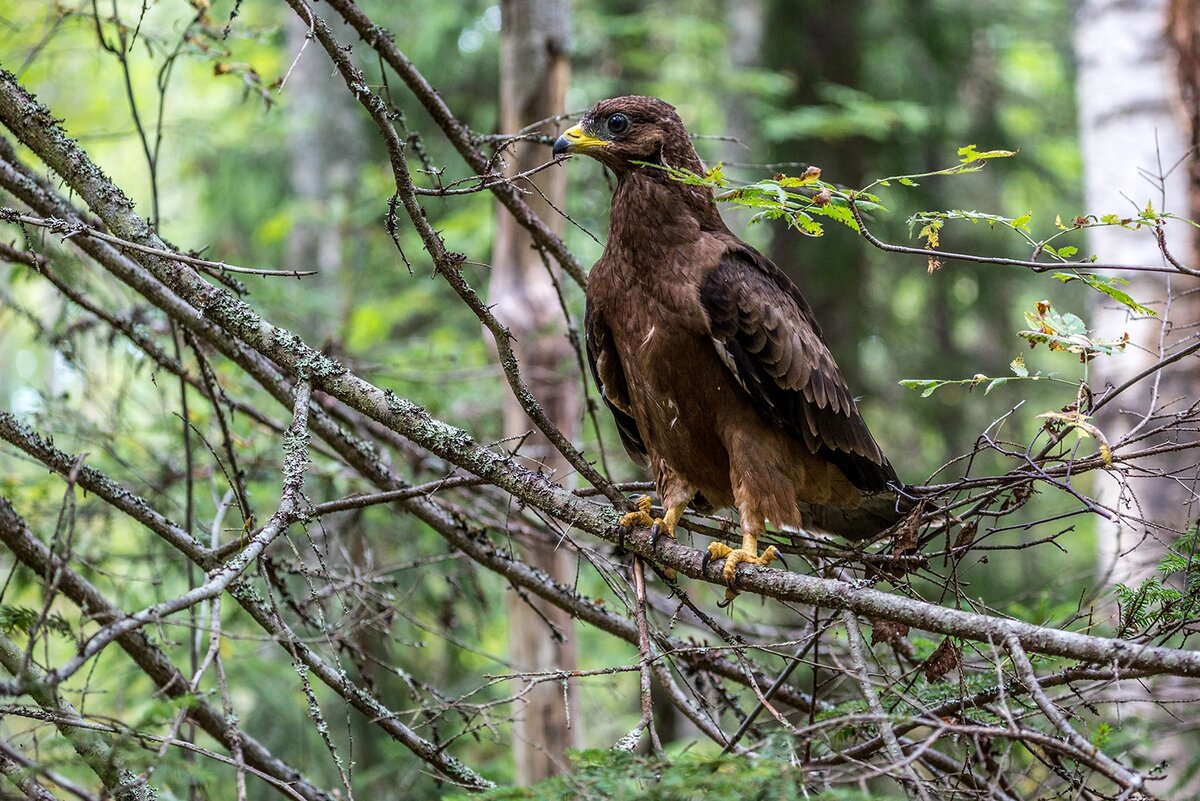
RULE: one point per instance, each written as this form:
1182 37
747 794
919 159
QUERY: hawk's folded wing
766 335
605 364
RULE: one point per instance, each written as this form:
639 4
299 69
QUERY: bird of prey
710 359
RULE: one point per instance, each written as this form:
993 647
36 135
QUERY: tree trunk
745 25
1133 124
325 147
827 48
533 83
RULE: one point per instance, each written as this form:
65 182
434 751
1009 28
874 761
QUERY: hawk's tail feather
876 514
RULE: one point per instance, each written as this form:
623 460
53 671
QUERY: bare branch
69 230
1129 781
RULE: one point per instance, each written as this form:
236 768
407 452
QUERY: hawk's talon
657 525
735 556
660 527
639 518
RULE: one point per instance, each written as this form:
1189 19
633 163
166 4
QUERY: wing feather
609 375
767 337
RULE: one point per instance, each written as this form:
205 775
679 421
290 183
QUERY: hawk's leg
748 553
676 495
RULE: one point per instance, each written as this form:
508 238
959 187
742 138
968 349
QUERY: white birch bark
1136 141
1132 133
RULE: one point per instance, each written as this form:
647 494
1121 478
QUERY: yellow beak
574 140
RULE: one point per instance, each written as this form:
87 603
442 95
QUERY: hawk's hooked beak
574 140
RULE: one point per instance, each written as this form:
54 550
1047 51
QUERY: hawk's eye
618 124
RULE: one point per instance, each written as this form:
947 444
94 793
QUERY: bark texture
533 84
1139 131
1133 125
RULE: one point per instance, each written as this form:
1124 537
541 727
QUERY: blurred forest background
259 157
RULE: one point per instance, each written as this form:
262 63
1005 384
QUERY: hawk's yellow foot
641 517
657 525
748 553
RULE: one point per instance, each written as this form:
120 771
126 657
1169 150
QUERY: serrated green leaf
1066 332
838 211
1109 287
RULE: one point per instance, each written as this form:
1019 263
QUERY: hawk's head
625 130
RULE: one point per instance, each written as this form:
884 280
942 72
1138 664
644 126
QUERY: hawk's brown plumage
708 356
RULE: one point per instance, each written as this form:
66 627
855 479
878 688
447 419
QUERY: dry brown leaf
944 659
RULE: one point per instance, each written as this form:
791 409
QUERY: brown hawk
710 359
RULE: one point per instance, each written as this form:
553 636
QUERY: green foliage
1172 595
610 775
1067 333
796 199
1020 372
969 160
25 619
1102 735
1106 286
849 112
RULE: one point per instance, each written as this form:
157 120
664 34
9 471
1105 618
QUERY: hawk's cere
710 359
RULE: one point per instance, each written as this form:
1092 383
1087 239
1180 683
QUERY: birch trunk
325 148
533 82
1132 125
1135 130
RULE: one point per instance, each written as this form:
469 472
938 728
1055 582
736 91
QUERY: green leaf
1109 287
1072 325
969 154
838 210
927 385
1066 332
1102 735
716 175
